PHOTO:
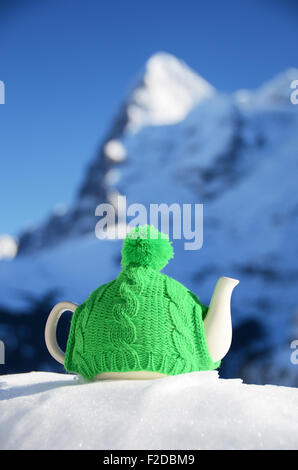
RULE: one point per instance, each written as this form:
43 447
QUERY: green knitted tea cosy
142 320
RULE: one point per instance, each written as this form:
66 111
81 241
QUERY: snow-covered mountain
163 93
178 140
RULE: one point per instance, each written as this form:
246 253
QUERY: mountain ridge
79 219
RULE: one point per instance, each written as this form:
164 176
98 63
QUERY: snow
60 209
198 410
115 150
277 91
8 247
71 269
168 90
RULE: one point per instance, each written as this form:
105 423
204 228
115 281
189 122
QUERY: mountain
165 91
234 153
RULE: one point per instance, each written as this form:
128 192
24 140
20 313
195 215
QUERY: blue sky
67 64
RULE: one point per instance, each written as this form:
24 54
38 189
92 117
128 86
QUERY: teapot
144 324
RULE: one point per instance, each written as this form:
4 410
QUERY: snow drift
190 411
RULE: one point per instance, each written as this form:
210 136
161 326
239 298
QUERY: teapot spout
218 322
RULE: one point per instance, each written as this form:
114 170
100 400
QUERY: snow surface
198 410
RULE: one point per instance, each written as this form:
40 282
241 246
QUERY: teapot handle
51 326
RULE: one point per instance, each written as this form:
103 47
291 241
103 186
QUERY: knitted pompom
146 246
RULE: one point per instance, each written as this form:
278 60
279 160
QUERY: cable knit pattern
123 330
76 344
143 320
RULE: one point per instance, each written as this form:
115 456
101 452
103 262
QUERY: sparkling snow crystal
191 411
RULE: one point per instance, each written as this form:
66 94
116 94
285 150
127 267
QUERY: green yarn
146 246
142 320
